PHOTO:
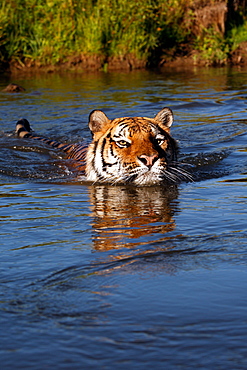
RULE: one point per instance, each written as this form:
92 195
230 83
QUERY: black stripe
111 148
104 162
47 141
102 152
122 120
21 129
52 143
27 135
65 147
123 125
56 144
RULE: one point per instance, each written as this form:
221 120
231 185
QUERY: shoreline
80 63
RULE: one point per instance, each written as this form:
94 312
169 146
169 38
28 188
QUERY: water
117 277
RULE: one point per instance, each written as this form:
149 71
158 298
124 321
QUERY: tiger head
135 150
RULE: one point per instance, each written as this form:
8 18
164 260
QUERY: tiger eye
122 143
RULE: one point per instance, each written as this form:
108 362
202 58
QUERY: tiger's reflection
131 216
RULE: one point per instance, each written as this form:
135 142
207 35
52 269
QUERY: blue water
115 277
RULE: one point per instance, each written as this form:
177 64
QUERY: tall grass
51 31
48 31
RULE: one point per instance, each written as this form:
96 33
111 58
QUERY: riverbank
121 35
88 63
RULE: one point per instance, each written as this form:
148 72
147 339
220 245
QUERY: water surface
98 276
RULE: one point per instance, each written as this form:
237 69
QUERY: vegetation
46 32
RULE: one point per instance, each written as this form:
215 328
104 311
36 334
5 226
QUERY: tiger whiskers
176 173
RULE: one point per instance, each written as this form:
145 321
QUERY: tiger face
135 150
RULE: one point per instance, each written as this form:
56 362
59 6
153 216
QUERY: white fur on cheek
95 170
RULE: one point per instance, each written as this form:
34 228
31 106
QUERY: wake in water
38 162
203 166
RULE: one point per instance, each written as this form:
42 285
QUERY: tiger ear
97 120
165 117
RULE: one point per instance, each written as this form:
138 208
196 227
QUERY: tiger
127 150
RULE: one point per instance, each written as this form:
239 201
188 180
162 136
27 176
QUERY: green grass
238 35
212 47
51 31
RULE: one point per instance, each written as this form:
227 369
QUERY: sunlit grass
51 31
238 35
48 31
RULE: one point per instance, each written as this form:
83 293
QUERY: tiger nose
148 160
